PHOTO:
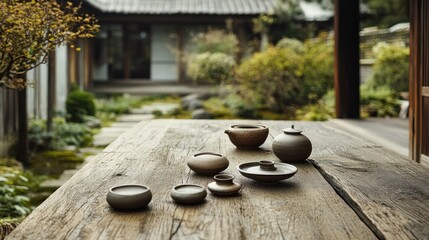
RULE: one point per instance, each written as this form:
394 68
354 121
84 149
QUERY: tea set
290 147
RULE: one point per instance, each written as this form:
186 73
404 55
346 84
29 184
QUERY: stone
201 114
195 104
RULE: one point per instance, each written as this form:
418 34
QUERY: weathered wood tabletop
349 189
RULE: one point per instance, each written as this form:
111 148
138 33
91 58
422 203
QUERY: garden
286 79
289 80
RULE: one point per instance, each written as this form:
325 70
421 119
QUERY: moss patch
53 163
8 224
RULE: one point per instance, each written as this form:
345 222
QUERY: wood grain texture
154 153
389 192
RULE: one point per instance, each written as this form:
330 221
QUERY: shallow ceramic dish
208 163
267 171
224 185
247 136
188 193
130 196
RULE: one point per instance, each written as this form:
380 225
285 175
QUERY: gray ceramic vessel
208 163
247 136
130 196
291 146
267 171
188 193
224 185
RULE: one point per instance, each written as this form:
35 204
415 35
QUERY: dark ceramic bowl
188 193
247 136
127 197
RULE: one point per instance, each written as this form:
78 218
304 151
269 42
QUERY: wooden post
347 79
23 150
419 82
87 66
181 61
51 90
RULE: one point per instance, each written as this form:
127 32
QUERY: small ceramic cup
247 136
128 197
188 193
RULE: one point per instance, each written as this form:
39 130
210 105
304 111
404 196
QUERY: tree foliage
386 13
390 67
29 30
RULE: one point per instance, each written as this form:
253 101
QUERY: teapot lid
292 130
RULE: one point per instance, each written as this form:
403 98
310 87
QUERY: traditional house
145 41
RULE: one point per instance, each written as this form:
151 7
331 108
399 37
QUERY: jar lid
292 130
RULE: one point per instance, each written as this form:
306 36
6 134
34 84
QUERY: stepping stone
135 117
164 108
113 130
52 184
67 174
122 125
104 140
90 150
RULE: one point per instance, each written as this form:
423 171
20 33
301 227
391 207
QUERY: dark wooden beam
51 90
181 62
23 149
347 79
415 81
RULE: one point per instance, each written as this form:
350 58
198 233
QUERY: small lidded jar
224 185
291 146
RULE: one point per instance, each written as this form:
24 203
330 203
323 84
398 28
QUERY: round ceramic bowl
188 193
224 185
208 163
247 136
127 197
267 171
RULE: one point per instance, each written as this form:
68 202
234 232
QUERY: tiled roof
311 11
213 7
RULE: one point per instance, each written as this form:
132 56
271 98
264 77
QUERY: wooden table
349 189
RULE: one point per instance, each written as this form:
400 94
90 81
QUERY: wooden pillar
87 66
126 64
419 82
51 90
23 150
181 61
72 67
240 31
347 79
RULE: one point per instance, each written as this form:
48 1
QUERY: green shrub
239 106
218 109
38 137
74 134
211 68
63 134
322 110
216 41
80 104
14 201
291 43
271 78
379 102
117 105
318 68
390 67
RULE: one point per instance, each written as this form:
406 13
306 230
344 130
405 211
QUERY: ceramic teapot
247 136
291 146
